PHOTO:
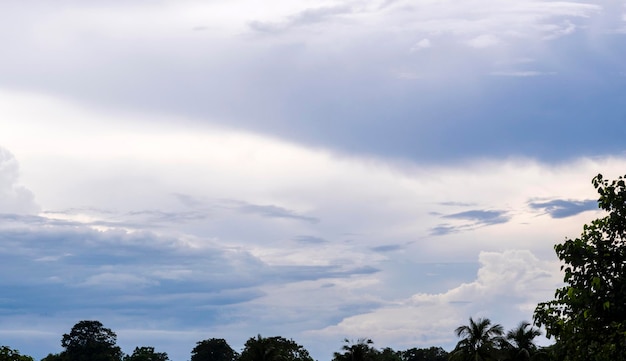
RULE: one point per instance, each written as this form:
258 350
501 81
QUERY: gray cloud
474 219
310 240
562 208
437 117
481 216
270 211
387 248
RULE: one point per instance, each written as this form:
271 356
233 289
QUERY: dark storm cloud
562 208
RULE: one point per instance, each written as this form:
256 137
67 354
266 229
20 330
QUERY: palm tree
479 340
356 351
520 341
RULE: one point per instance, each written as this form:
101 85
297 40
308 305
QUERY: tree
146 354
425 354
213 349
273 349
389 354
90 341
54 357
9 354
357 351
479 340
588 315
520 342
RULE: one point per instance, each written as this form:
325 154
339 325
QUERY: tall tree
520 341
90 341
361 350
9 354
588 315
213 349
479 340
275 348
146 353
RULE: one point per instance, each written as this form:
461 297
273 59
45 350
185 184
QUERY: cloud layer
386 169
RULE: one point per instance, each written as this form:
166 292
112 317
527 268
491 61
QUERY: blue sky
318 170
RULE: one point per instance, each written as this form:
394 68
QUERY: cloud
270 211
387 248
421 45
521 73
310 240
480 216
302 18
513 277
561 208
14 198
477 218
483 41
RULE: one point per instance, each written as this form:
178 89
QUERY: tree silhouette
479 340
357 351
588 315
213 349
90 341
520 341
273 349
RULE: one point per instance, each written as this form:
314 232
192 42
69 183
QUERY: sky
317 170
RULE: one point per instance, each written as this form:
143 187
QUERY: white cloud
14 198
483 41
514 277
421 45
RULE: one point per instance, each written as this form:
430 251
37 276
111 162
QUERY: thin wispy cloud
561 208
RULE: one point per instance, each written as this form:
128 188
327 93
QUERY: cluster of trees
91 341
587 318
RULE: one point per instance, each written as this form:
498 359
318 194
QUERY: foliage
425 354
54 357
90 341
213 349
9 354
146 354
389 354
520 345
480 340
357 351
588 315
273 349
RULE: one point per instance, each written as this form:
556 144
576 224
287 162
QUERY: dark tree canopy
425 354
361 350
9 354
273 349
213 349
146 354
519 342
588 315
90 341
480 340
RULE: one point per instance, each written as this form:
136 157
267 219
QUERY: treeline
91 341
479 340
